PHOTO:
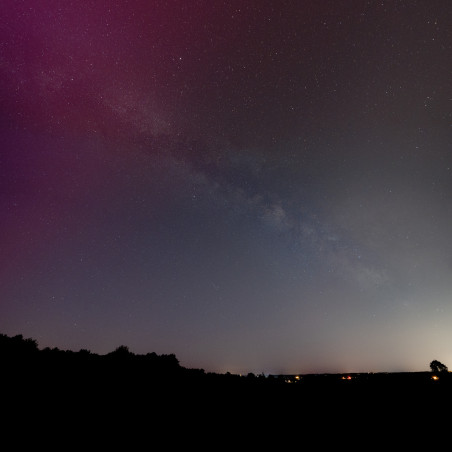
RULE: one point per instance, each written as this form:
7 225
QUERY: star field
253 186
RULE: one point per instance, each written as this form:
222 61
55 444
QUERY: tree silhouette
121 352
437 366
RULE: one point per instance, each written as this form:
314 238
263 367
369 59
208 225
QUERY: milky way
255 186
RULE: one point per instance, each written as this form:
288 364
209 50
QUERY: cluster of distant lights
297 378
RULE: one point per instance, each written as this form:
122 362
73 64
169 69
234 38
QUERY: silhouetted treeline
24 363
21 357
22 360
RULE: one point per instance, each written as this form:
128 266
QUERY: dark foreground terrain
123 372
81 392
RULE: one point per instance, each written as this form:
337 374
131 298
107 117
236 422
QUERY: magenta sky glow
257 186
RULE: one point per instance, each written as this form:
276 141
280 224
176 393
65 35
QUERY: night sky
255 186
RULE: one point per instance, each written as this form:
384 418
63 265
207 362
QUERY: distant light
435 377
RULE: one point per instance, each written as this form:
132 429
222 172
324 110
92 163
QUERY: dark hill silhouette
64 393
121 389
27 367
